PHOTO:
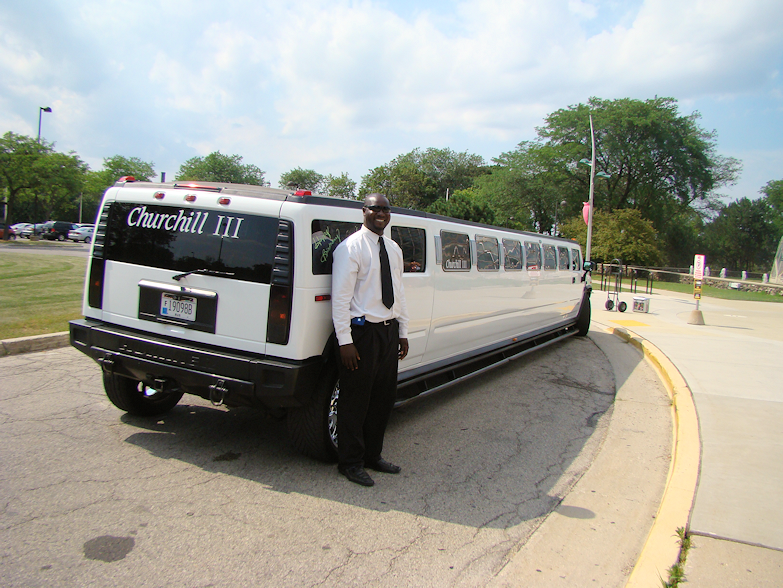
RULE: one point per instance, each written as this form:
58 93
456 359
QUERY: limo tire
313 427
134 397
583 319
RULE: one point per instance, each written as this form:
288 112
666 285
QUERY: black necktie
387 290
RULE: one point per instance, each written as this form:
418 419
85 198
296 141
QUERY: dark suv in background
57 230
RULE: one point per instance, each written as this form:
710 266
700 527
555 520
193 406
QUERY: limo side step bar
419 387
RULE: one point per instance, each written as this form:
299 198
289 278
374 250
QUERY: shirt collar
372 234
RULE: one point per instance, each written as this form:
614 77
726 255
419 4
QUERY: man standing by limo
371 323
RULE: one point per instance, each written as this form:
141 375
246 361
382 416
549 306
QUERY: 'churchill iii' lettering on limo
184 222
230 299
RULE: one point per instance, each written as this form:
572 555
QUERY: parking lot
209 496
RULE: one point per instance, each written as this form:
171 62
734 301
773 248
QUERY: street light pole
41 110
591 163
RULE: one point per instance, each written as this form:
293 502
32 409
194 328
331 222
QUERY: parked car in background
81 233
57 230
35 229
19 227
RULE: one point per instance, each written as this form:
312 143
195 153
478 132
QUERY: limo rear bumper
217 374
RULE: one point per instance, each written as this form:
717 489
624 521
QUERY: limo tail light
97 262
278 323
95 288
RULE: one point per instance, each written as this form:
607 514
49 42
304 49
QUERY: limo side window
487 254
326 235
455 249
512 254
533 255
550 257
576 263
413 244
562 258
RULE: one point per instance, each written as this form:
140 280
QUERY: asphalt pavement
725 469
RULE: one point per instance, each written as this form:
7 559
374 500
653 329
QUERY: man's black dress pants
367 394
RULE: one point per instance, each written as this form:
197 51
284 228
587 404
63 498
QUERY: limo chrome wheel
331 418
136 398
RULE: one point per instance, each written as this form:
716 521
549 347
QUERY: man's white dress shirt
356 284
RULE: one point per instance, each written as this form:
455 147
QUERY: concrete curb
661 549
34 343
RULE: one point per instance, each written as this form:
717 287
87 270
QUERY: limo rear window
189 239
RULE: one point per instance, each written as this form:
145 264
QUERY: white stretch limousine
223 291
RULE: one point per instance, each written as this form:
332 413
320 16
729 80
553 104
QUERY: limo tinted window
533 255
550 257
185 239
487 254
562 258
512 254
412 241
576 262
455 248
326 235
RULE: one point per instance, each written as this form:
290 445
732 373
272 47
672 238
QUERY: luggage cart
613 301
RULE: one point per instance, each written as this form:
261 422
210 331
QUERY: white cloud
353 84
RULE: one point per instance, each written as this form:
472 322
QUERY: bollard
744 276
723 273
765 278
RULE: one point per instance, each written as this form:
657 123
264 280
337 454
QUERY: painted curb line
662 548
34 343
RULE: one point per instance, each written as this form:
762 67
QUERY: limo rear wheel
137 399
313 427
583 319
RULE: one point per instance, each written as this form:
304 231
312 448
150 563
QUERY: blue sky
346 86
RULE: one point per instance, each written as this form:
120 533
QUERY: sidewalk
731 366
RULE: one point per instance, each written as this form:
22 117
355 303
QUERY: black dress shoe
381 465
357 475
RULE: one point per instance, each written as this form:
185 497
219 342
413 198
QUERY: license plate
179 307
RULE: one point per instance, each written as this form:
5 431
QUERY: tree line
656 196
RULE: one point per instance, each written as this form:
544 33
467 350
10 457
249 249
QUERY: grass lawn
39 293
713 292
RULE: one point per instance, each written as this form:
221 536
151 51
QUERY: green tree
660 163
657 159
525 189
419 178
339 186
115 167
464 205
61 182
773 192
18 158
742 237
621 234
217 167
303 179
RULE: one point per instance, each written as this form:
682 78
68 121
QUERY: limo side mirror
589 266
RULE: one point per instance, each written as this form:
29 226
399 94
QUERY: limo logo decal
184 222
331 243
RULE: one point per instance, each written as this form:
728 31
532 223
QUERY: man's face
377 213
